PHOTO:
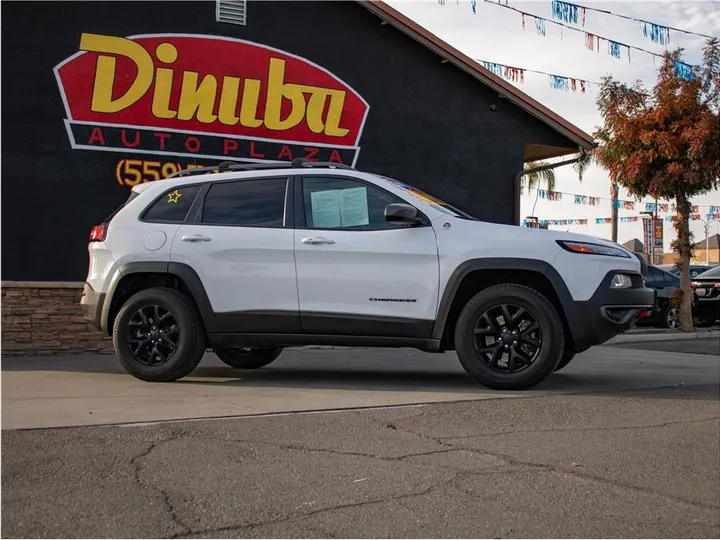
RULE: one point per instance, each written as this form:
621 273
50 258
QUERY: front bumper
609 311
91 305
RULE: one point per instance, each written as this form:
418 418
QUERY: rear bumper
609 312
707 308
91 305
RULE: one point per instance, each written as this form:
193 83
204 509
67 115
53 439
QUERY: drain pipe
520 174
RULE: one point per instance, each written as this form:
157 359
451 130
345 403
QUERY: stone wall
41 318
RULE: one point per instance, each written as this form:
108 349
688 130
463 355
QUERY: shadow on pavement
386 371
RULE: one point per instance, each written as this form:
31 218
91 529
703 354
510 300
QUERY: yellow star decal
174 196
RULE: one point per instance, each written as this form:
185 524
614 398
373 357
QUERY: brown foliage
665 142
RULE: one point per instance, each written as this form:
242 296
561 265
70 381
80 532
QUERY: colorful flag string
586 200
516 74
607 220
614 47
657 33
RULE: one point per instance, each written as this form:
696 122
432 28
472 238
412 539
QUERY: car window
434 202
342 203
657 275
713 272
248 203
173 206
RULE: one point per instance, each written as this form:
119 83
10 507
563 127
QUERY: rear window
713 272
173 206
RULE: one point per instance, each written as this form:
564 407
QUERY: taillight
716 286
97 233
693 286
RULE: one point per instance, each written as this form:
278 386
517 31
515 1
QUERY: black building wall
429 124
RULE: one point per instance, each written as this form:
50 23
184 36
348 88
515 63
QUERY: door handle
316 240
196 238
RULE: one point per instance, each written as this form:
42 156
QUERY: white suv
255 258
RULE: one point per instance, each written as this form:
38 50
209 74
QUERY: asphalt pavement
623 443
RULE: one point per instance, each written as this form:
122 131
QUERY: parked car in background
707 295
695 269
665 315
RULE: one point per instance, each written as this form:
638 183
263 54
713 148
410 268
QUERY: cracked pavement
629 464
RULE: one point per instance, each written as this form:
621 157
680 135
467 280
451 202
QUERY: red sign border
69 119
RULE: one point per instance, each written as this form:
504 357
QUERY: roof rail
227 166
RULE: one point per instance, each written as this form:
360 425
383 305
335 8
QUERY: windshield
429 200
713 272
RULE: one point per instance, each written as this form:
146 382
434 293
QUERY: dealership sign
207 97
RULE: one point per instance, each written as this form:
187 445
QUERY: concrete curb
671 335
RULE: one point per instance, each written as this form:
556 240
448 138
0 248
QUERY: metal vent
231 11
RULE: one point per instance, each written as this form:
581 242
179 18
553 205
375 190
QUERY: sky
495 34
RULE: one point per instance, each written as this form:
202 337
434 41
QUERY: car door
240 243
357 273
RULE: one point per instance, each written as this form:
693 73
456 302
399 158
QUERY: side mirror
401 213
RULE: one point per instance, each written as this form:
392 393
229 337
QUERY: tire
567 357
136 338
540 324
669 317
239 358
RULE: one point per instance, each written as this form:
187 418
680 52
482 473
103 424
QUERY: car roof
229 170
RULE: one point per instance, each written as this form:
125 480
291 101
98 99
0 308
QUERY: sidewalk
660 334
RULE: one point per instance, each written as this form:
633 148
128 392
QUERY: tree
535 178
665 143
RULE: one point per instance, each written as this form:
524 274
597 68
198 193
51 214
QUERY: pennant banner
656 33
683 70
550 195
622 219
570 13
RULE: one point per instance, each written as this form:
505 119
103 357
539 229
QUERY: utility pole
614 188
655 257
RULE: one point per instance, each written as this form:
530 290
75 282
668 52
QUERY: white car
255 258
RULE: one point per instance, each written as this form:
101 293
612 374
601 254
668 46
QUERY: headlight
621 281
592 249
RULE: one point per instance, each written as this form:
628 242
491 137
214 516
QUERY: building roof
498 84
634 245
713 242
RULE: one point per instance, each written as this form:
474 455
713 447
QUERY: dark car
665 314
695 269
707 294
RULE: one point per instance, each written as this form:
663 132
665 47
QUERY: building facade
100 96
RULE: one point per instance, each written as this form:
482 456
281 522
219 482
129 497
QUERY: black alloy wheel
508 338
158 335
152 335
244 357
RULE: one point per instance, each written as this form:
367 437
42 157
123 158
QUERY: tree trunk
614 215
682 226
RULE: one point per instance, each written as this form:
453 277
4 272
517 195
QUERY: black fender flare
505 263
181 270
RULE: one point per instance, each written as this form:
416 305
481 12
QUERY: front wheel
246 357
509 337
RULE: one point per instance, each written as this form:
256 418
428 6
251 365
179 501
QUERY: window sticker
354 207
325 209
335 208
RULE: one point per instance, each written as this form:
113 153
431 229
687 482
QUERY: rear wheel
669 318
509 337
158 335
246 357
